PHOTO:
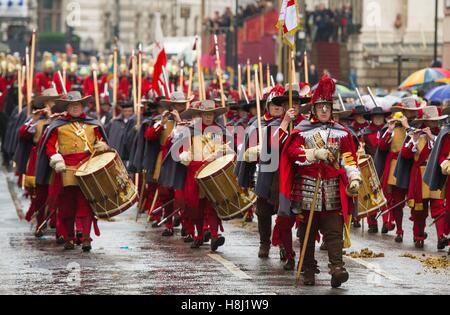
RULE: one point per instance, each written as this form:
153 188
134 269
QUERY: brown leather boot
309 277
264 251
69 245
339 275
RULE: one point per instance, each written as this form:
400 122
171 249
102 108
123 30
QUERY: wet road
132 258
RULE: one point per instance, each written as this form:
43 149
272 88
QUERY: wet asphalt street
133 258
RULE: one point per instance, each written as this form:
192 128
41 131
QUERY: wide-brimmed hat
339 111
176 97
377 111
72 97
47 95
430 113
300 93
201 107
408 103
359 110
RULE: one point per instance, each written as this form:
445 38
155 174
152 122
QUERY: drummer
205 143
370 135
68 141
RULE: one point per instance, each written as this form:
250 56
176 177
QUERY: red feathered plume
325 90
276 91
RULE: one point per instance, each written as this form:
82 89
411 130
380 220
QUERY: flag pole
258 110
115 83
19 89
97 96
261 76
249 79
182 76
31 71
139 90
268 76
306 67
240 80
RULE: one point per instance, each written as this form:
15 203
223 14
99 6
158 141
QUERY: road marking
231 267
376 269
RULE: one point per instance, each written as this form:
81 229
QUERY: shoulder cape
433 174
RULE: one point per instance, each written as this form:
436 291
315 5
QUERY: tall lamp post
435 61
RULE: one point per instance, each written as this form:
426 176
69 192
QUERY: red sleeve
407 151
152 133
23 132
383 143
296 150
444 153
51 143
98 134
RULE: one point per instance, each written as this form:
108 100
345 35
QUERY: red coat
124 88
371 139
293 152
43 81
5 84
88 85
146 86
71 80
444 155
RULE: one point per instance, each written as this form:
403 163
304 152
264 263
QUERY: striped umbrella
424 77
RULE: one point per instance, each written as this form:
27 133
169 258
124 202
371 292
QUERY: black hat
126 104
377 111
359 110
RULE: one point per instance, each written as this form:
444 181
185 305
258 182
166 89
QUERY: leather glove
101 146
314 155
186 158
252 154
57 163
445 166
354 185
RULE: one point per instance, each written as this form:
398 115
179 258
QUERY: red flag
159 54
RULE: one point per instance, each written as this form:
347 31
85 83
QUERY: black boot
38 234
386 229
373 229
289 265
188 239
86 247
167 233
69 245
216 242
206 236
324 246
176 221
442 243
197 244
79 236
399 239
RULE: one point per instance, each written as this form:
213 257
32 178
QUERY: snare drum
219 184
106 185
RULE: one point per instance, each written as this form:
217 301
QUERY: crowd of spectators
329 24
223 22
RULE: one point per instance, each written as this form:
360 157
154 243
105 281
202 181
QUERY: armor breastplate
324 137
328 197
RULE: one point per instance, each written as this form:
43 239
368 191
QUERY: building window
49 15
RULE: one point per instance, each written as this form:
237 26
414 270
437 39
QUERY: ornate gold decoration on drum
105 183
221 188
370 197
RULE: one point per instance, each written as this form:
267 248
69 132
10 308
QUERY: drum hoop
206 164
99 170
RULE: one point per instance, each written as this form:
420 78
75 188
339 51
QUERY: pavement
133 258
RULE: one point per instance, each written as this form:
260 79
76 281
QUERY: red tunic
43 81
371 139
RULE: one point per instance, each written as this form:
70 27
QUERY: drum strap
80 132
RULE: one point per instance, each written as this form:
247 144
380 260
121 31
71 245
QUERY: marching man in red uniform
411 166
318 152
437 172
370 135
389 147
68 141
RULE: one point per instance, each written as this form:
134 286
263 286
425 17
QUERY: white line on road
231 267
376 269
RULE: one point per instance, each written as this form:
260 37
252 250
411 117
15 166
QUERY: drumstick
168 217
